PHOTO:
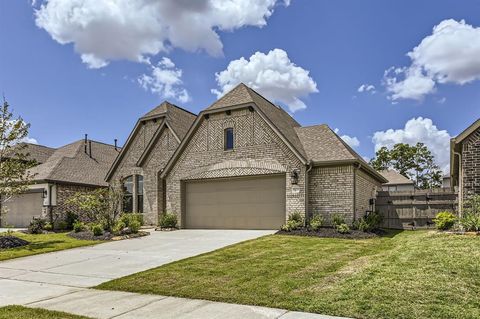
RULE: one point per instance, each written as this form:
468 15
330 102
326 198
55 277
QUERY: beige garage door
22 208
238 203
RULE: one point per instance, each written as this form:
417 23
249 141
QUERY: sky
377 72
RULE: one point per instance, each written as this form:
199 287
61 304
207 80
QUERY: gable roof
36 152
280 119
317 143
395 178
324 146
70 164
177 119
469 130
455 147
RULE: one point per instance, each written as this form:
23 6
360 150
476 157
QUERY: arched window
139 193
128 194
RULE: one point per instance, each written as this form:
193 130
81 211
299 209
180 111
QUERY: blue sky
339 46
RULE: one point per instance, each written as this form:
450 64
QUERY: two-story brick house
465 163
245 163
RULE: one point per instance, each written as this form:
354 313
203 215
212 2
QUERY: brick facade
471 164
331 191
366 187
258 151
151 166
63 193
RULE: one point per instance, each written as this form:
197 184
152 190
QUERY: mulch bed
12 242
88 235
331 233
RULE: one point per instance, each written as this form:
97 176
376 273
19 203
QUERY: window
140 193
228 143
128 194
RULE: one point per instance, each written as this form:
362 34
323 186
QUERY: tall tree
415 162
14 162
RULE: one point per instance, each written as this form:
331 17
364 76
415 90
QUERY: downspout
307 191
355 168
460 183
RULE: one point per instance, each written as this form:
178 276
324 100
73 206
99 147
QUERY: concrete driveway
35 278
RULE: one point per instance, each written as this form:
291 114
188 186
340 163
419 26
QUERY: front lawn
417 274
19 312
43 243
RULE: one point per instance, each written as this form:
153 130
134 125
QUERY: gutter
309 168
460 183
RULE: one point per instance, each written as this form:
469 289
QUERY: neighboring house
61 172
465 163
246 163
446 181
396 181
150 145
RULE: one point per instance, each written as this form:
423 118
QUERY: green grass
407 275
19 312
43 243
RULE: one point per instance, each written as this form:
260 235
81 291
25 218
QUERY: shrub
62 225
70 219
338 219
132 221
296 217
444 220
79 226
369 222
48 227
471 222
471 219
119 227
168 220
343 228
291 225
37 225
97 230
316 222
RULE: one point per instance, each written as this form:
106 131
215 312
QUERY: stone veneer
258 151
471 164
152 165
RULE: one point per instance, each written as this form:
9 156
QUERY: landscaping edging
88 235
329 233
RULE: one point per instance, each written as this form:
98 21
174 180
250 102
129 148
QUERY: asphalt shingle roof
70 164
395 178
38 153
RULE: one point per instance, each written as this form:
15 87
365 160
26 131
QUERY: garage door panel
22 208
240 203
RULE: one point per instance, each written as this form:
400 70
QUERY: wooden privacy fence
407 209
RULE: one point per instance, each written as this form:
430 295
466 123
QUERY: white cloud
30 140
272 74
367 88
352 141
449 55
101 31
165 80
418 130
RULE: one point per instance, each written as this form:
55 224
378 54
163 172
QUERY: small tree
415 162
14 162
99 206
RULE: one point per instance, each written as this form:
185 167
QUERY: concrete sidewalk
123 305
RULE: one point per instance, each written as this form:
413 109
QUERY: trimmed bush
338 219
119 227
132 221
343 228
445 220
78 226
369 222
168 220
97 230
316 222
294 221
48 227
471 222
296 217
37 225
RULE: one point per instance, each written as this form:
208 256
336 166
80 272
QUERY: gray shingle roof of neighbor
36 152
395 178
70 164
